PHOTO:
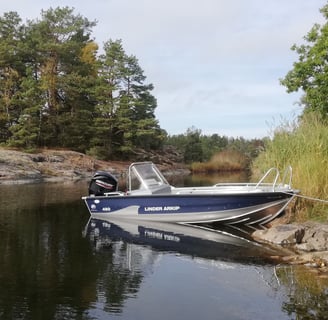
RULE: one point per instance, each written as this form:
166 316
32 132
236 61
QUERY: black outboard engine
102 182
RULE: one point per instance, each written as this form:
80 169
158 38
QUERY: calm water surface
55 263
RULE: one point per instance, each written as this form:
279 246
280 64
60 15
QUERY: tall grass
304 146
227 160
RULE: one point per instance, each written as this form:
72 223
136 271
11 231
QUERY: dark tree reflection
48 270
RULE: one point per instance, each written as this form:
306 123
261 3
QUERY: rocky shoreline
17 167
49 165
305 243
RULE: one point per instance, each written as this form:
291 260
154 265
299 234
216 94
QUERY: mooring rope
309 198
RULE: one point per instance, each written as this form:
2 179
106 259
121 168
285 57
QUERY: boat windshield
145 175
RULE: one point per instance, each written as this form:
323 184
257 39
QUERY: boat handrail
288 171
266 175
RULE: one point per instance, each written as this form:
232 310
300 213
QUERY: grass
225 161
304 146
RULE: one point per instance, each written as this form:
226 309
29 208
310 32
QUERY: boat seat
161 189
157 187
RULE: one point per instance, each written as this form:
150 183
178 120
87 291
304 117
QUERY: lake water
56 264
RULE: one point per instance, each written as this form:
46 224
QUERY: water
56 264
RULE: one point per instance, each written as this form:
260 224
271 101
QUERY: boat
149 197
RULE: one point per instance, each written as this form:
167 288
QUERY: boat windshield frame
145 176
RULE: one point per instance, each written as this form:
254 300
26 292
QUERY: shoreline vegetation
304 147
225 161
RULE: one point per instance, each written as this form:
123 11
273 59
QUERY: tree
125 117
26 132
193 149
11 71
213 144
55 90
310 72
106 137
60 64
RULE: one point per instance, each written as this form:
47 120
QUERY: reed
304 146
227 161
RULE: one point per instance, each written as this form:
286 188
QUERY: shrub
227 160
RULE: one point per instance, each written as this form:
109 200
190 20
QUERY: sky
215 64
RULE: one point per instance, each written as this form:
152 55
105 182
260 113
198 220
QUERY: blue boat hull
247 208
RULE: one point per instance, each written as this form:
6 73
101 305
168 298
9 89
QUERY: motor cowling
102 182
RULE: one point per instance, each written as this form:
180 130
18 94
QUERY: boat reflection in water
192 240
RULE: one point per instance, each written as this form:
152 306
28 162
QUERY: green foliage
193 148
126 104
213 144
310 72
304 146
200 148
10 72
56 92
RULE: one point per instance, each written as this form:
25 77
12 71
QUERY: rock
38 158
315 238
281 234
56 158
50 165
308 241
55 165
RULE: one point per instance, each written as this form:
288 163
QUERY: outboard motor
102 182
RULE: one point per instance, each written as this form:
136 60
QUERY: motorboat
149 197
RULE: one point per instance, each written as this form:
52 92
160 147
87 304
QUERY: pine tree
125 111
11 70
